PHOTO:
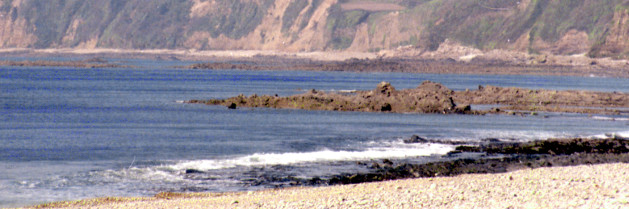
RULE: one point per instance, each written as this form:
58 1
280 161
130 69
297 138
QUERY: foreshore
584 186
532 179
437 62
553 173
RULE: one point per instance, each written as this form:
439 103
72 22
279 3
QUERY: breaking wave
610 118
269 159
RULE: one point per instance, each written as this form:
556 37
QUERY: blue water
67 134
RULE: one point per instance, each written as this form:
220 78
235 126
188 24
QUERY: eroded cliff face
615 41
13 28
539 26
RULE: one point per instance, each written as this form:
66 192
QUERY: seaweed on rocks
476 166
490 156
503 157
554 147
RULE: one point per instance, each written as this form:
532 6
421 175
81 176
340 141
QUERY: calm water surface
67 134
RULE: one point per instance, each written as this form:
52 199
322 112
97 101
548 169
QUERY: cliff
597 27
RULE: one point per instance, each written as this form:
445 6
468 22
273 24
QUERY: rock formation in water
431 97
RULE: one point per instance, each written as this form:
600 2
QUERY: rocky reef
487 156
499 157
90 63
429 97
432 97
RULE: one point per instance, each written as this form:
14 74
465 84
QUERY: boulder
385 88
463 108
386 108
415 139
192 171
491 140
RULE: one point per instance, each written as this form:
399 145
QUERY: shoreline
569 157
384 64
492 62
183 54
593 186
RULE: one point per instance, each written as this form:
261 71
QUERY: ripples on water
80 133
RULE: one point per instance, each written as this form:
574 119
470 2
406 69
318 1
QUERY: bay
68 133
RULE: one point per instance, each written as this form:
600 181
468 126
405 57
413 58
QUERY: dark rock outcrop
431 97
554 147
415 139
503 157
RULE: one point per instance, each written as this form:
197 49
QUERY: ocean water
68 133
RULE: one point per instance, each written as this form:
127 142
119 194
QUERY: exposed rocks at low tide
488 156
431 97
503 157
412 65
485 157
520 99
473 166
90 63
616 145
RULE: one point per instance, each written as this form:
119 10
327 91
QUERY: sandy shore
585 186
193 54
459 60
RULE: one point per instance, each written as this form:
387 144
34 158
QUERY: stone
415 139
191 171
385 88
434 98
386 108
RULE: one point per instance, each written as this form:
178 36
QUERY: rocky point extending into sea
489 156
432 97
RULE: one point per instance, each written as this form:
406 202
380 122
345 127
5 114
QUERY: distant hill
596 27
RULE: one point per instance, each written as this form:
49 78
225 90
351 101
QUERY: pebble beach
584 186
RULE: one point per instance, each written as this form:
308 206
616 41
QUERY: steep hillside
597 27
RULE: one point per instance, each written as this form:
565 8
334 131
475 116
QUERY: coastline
590 186
183 54
335 65
497 62
514 175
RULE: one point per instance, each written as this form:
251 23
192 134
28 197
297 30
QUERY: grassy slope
486 24
496 23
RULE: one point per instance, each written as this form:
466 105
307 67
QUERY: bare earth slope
542 26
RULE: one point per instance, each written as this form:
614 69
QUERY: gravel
584 186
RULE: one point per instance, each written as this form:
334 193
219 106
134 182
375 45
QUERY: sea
73 133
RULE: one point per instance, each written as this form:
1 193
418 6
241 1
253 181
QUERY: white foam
524 135
609 118
267 159
143 174
622 134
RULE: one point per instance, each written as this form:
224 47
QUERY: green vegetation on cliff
596 27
